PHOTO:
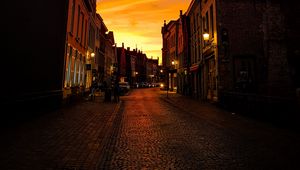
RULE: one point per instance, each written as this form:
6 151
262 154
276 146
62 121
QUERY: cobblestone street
70 138
148 130
189 135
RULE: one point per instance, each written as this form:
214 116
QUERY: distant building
102 51
182 50
142 66
121 57
196 74
169 53
110 55
152 70
132 72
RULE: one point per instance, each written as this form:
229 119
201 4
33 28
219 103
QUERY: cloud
120 5
139 22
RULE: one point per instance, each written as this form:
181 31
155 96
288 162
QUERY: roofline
190 7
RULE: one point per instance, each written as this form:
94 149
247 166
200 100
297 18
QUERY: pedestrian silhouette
116 91
92 90
107 93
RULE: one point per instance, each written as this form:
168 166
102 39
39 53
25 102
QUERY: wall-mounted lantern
173 62
205 36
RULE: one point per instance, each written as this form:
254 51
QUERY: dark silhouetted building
34 36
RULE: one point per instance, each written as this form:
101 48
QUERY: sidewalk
73 136
215 114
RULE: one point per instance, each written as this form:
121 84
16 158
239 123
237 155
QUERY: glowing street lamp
173 62
92 54
206 36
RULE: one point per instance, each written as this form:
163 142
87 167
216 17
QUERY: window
83 71
212 20
98 33
75 68
72 63
203 24
72 16
195 23
211 75
78 21
85 33
69 65
206 22
79 70
91 36
82 27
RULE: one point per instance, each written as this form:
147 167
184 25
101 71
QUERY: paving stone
146 130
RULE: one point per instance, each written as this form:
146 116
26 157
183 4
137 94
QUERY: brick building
110 55
102 50
121 57
182 51
195 58
241 54
80 51
141 67
169 53
152 70
247 57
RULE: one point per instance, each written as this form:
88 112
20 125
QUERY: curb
111 136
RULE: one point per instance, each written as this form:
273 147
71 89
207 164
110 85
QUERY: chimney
180 13
128 48
122 45
165 23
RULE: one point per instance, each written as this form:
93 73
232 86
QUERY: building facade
247 55
240 54
195 50
121 57
169 53
152 70
102 51
110 56
80 48
184 56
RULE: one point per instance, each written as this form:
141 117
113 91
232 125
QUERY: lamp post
172 74
136 76
93 60
173 63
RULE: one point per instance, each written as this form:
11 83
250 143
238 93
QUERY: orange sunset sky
138 23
